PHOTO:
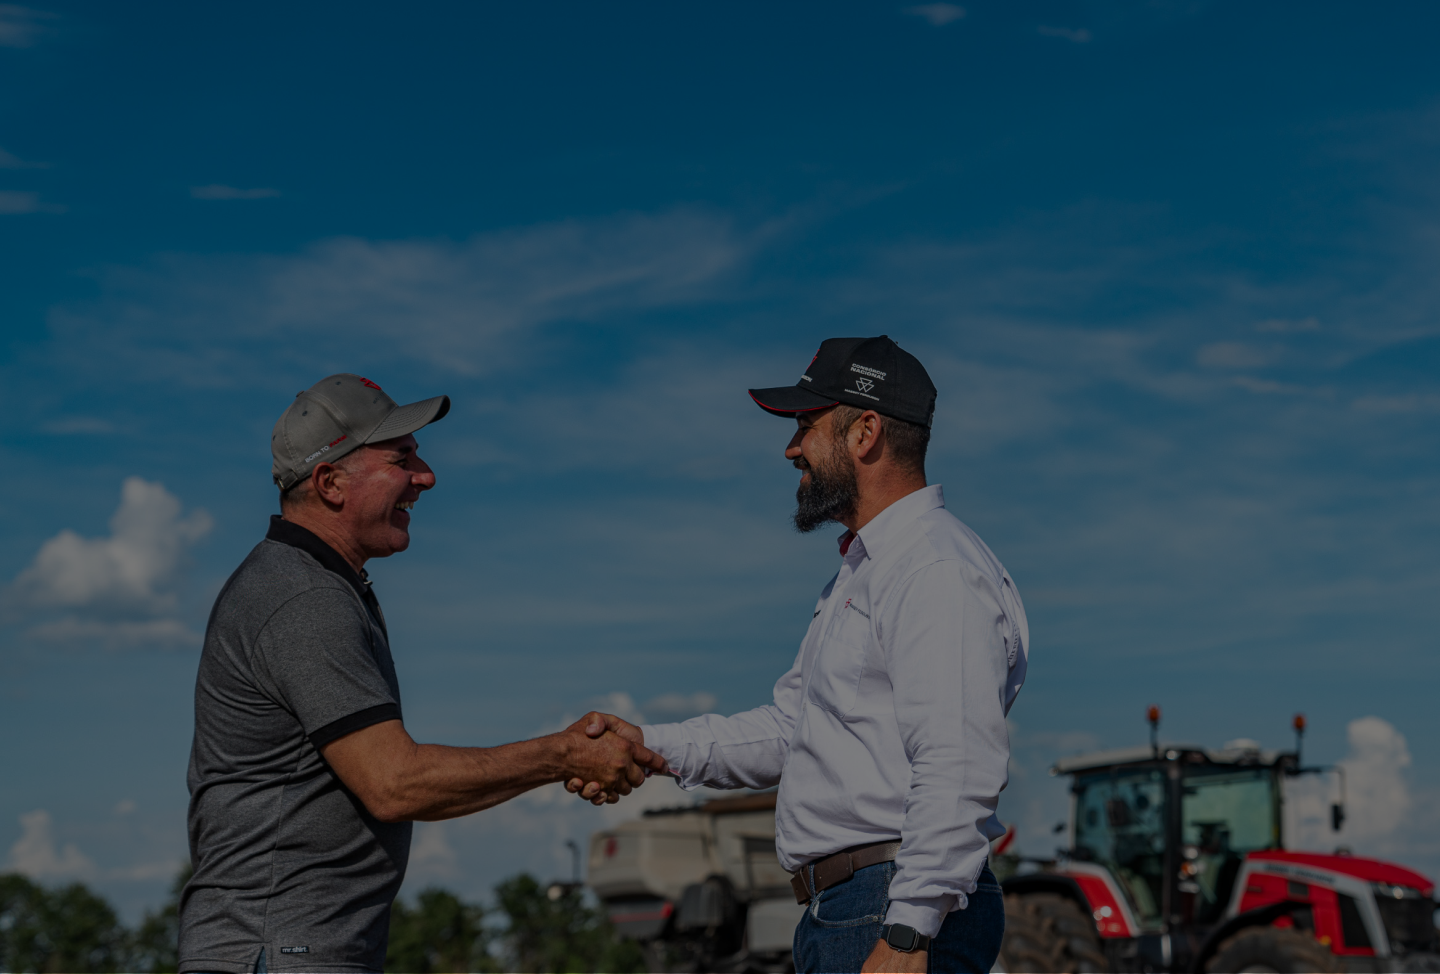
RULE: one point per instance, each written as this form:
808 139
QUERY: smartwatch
904 938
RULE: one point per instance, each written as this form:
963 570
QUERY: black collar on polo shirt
288 532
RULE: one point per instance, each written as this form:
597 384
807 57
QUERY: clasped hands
608 758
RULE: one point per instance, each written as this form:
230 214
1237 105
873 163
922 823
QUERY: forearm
746 750
401 780
442 782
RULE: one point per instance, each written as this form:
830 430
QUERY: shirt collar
288 532
889 522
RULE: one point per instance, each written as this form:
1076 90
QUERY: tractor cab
1174 828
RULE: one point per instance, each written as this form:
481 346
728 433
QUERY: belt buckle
801 888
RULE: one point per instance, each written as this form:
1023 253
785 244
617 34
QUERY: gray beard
830 496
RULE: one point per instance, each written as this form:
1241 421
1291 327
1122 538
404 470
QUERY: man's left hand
885 959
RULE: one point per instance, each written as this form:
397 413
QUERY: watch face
902 937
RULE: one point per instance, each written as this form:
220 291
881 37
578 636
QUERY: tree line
530 927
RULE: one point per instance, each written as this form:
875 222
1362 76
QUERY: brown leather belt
834 870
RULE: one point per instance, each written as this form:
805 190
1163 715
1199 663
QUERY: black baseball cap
871 373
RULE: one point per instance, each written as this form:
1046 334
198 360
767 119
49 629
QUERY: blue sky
1170 265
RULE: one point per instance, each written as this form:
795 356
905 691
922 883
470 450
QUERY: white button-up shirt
891 723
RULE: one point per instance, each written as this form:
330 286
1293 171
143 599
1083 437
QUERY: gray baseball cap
337 415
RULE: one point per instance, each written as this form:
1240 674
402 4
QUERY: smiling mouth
404 505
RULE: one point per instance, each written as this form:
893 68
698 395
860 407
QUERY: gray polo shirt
286 858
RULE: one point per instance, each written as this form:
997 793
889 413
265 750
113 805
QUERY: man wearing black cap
303 781
887 736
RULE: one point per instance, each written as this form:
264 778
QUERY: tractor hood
1368 870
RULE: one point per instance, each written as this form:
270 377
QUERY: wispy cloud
217 191
1288 325
456 306
1075 35
21 26
1232 355
13 202
938 14
9 160
680 706
78 426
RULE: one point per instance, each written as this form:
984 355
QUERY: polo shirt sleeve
317 659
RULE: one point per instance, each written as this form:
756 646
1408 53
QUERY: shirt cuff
924 915
668 741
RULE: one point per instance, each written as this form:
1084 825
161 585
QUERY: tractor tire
1046 933
1272 950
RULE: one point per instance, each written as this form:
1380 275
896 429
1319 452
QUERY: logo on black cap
874 373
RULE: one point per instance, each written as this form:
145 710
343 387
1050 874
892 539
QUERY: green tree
68 929
559 933
155 945
440 933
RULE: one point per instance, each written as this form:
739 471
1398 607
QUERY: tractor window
1225 814
1120 823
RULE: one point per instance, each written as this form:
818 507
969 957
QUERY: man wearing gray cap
303 780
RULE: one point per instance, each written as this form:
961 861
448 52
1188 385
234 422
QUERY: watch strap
904 938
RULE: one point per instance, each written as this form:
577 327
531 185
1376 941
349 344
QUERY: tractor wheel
1272 950
1049 933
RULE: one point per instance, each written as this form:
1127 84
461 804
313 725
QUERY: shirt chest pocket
840 661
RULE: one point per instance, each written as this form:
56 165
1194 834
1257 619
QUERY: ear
329 483
867 435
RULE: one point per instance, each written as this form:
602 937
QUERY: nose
421 475
792 452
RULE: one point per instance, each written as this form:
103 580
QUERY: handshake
606 758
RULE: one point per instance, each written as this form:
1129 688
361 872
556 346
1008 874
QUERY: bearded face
832 491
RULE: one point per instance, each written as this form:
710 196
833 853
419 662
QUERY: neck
327 531
875 497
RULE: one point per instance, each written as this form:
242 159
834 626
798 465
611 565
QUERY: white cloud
217 191
109 581
1075 35
1379 805
35 854
21 26
938 14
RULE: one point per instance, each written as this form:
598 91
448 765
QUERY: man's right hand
597 725
606 763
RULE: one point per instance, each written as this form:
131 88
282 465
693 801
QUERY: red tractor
1177 862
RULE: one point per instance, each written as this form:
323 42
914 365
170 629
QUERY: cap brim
790 400
408 419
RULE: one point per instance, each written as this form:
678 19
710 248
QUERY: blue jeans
842 925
